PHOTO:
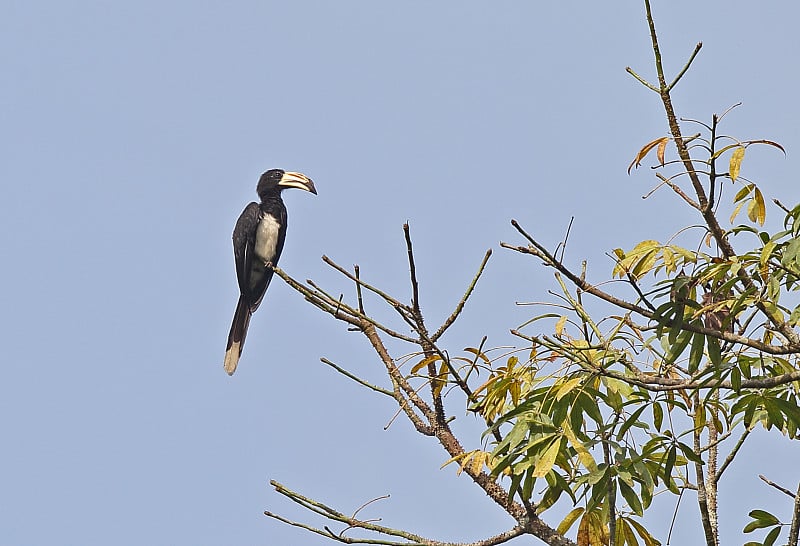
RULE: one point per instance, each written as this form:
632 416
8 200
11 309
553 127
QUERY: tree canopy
648 381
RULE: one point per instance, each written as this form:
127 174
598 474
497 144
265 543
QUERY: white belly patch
267 238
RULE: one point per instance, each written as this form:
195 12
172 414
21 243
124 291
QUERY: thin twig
563 244
641 80
460 306
686 66
678 191
729 459
356 378
389 299
413 271
776 486
359 295
539 251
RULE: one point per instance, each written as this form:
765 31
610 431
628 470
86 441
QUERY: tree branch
352 522
536 249
460 306
729 459
776 486
356 378
794 530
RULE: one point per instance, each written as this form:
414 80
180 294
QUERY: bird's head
275 180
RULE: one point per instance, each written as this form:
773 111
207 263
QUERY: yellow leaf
644 265
584 456
461 457
766 254
761 207
424 362
547 460
560 325
645 150
441 379
724 149
669 261
565 388
569 520
736 163
477 462
736 211
756 208
645 246
583 531
598 532
479 354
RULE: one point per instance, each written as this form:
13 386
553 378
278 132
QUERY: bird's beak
297 180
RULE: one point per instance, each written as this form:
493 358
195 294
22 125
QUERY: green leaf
744 192
689 453
630 421
658 416
714 352
677 348
696 352
631 498
772 536
514 487
624 534
761 519
670 462
736 379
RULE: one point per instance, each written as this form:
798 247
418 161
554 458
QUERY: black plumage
258 242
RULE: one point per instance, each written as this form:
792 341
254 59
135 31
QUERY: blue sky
133 135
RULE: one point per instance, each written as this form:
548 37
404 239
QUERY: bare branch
795 528
641 80
452 318
412 271
389 299
729 459
776 486
686 66
678 191
359 295
702 490
356 378
539 251
352 522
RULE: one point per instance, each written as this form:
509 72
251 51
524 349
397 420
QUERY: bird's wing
258 278
283 221
244 239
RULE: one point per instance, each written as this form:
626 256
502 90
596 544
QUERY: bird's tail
241 320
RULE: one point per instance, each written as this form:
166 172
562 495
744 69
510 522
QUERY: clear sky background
133 134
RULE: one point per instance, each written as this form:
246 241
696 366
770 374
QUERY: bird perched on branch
257 244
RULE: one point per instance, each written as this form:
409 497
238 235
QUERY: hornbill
257 243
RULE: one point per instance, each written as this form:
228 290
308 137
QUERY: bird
258 239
